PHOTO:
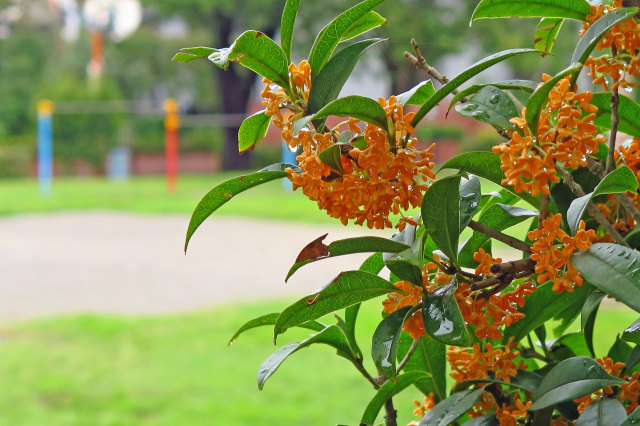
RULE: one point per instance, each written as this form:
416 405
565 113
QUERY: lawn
176 370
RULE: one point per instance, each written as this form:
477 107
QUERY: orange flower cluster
475 363
423 407
629 392
376 180
625 37
566 133
508 415
552 258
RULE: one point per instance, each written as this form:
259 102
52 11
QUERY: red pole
171 131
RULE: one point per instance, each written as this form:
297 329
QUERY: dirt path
125 263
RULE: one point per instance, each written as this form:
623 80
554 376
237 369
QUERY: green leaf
373 264
588 317
632 333
525 380
571 379
384 344
417 95
331 335
490 105
524 85
619 351
317 250
368 21
452 408
603 412
441 215
628 114
470 194
270 319
327 84
188 54
546 33
568 345
228 189
429 357
359 107
407 264
632 360
464 76
332 157
621 179
572 9
335 31
256 51
539 99
388 390
252 130
595 32
633 419
442 318
346 289
542 305
287 23
612 268
491 420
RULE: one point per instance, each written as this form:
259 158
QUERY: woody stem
412 349
508 240
614 103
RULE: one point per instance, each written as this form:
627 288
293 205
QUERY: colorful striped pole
45 147
171 132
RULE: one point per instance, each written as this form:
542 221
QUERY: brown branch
391 416
412 349
531 353
614 103
513 267
544 209
360 367
497 235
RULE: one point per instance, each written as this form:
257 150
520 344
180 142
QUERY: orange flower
508 415
477 364
427 405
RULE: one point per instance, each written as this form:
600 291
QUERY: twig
391 416
544 209
412 349
615 101
531 353
578 191
360 367
513 267
627 204
508 240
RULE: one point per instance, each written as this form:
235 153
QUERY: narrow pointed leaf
464 76
287 23
588 317
490 105
628 114
594 33
417 95
442 318
346 289
328 83
620 180
359 107
452 408
270 319
407 264
384 344
525 380
546 33
252 130
317 250
539 99
571 379
572 9
256 51
388 390
188 54
619 351
230 188
340 27
429 357
612 268
441 215
331 335
632 333
524 85
603 412
367 22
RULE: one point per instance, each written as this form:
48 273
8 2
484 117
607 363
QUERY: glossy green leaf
359 107
388 390
539 99
384 344
612 268
188 54
256 51
542 305
594 33
628 114
287 22
328 83
252 130
603 412
632 333
568 345
346 289
524 85
442 318
331 335
546 33
483 421
473 70
632 360
633 419
621 179
441 214
470 193
429 357
366 22
417 95
373 264
490 105
525 380
572 9
571 379
350 317
619 351
588 317
335 31
230 188
332 157
452 408
407 264
270 319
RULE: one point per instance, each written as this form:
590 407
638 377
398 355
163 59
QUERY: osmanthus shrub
450 304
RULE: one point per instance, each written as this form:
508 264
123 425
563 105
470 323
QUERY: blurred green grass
176 370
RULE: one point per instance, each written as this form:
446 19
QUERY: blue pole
45 147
